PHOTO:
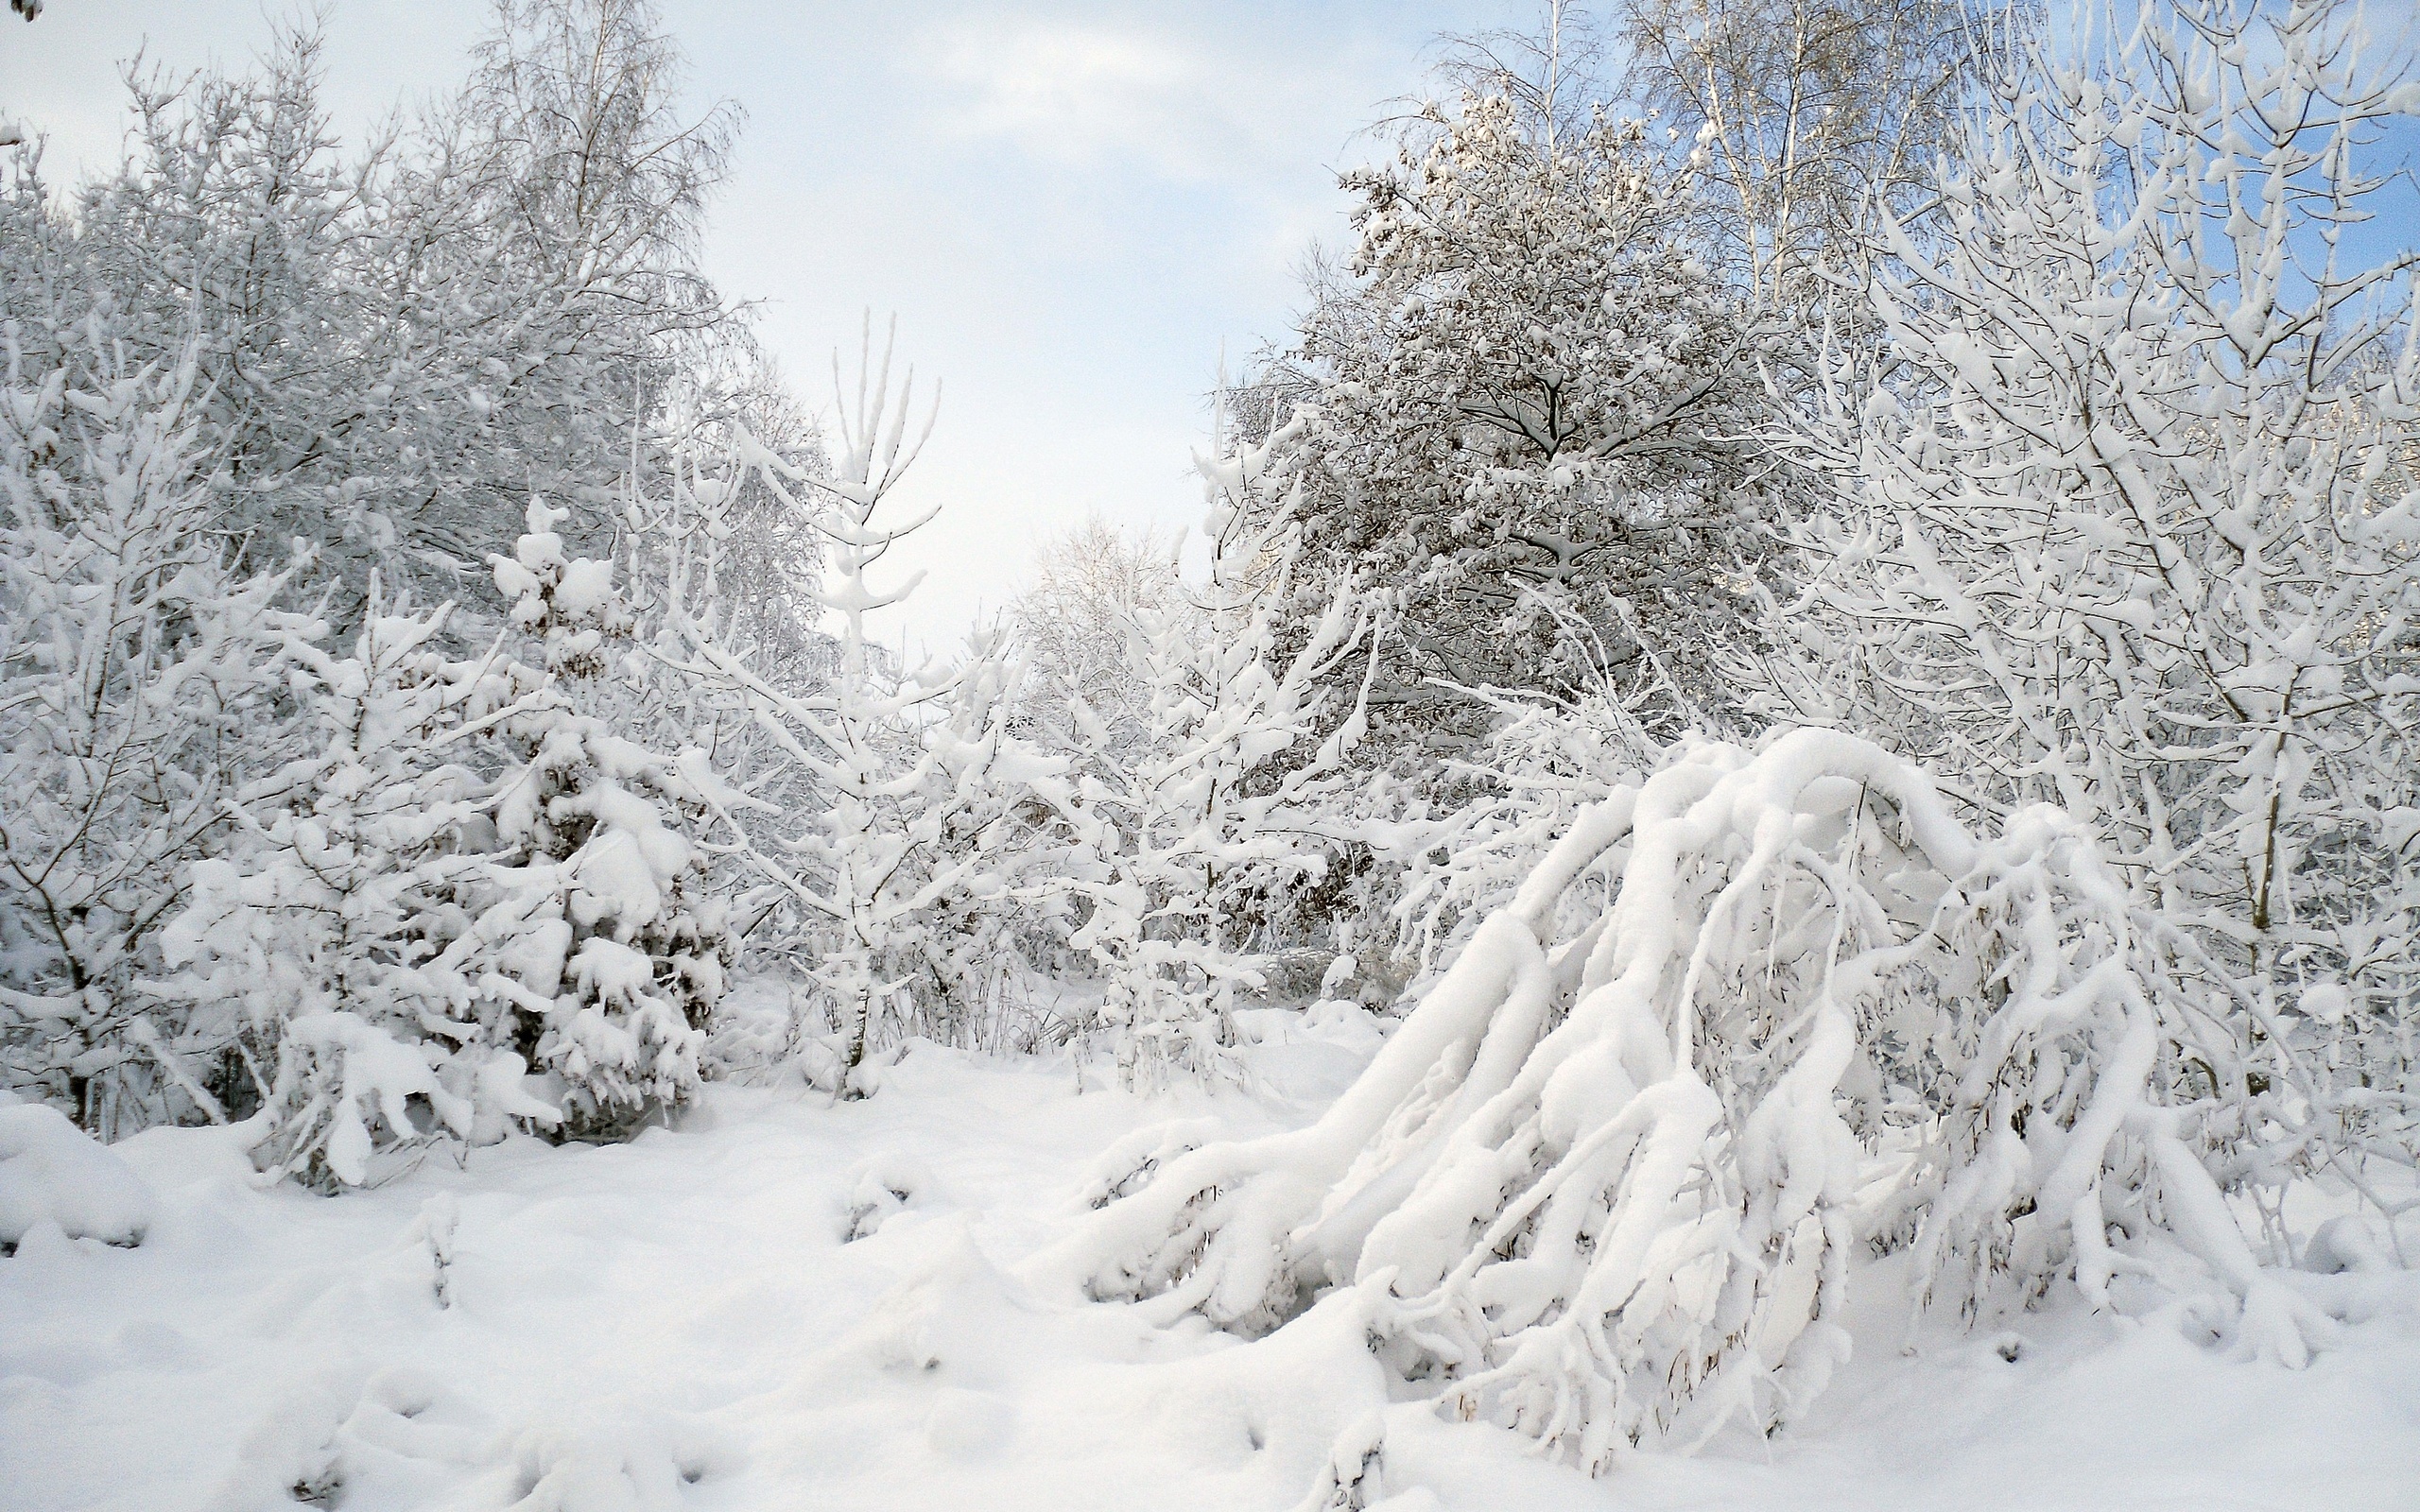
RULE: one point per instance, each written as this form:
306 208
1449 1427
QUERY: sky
1072 210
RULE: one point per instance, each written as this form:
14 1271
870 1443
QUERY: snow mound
53 1172
403 1437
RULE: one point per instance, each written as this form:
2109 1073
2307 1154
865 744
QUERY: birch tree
2131 530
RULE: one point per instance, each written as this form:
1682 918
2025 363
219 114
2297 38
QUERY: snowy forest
1766 850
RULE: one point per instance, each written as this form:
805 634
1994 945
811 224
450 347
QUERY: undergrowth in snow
54 1175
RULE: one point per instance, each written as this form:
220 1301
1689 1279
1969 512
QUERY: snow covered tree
1072 625
1459 845
1189 833
1551 75
574 111
465 880
1746 1019
246 338
904 783
140 667
2130 522
702 529
1813 117
599 832
2126 532
396 344
1531 398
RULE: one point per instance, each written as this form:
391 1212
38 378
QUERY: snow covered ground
681 1322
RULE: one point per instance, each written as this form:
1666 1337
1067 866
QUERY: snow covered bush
1604 1184
323 928
466 879
2130 521
51 1171
140 673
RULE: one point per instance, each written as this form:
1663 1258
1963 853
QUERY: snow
680 1323
1910 1032
53 1173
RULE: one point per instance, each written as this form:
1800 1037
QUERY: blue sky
1070 208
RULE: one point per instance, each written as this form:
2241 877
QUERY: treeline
271 400
441 657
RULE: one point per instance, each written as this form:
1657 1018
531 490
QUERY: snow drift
53 1172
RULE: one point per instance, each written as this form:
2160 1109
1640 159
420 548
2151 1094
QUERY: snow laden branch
1605 1183
903 780
2128 519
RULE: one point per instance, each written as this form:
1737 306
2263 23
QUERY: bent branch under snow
1607 1192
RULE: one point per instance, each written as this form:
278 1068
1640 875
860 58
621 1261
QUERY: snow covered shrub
139 678
466 879
51 1171
2131 522
1605 1183
339 917
1188 832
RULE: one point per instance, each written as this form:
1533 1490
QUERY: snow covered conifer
608 886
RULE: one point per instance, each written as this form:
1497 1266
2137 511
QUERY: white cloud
1178 103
